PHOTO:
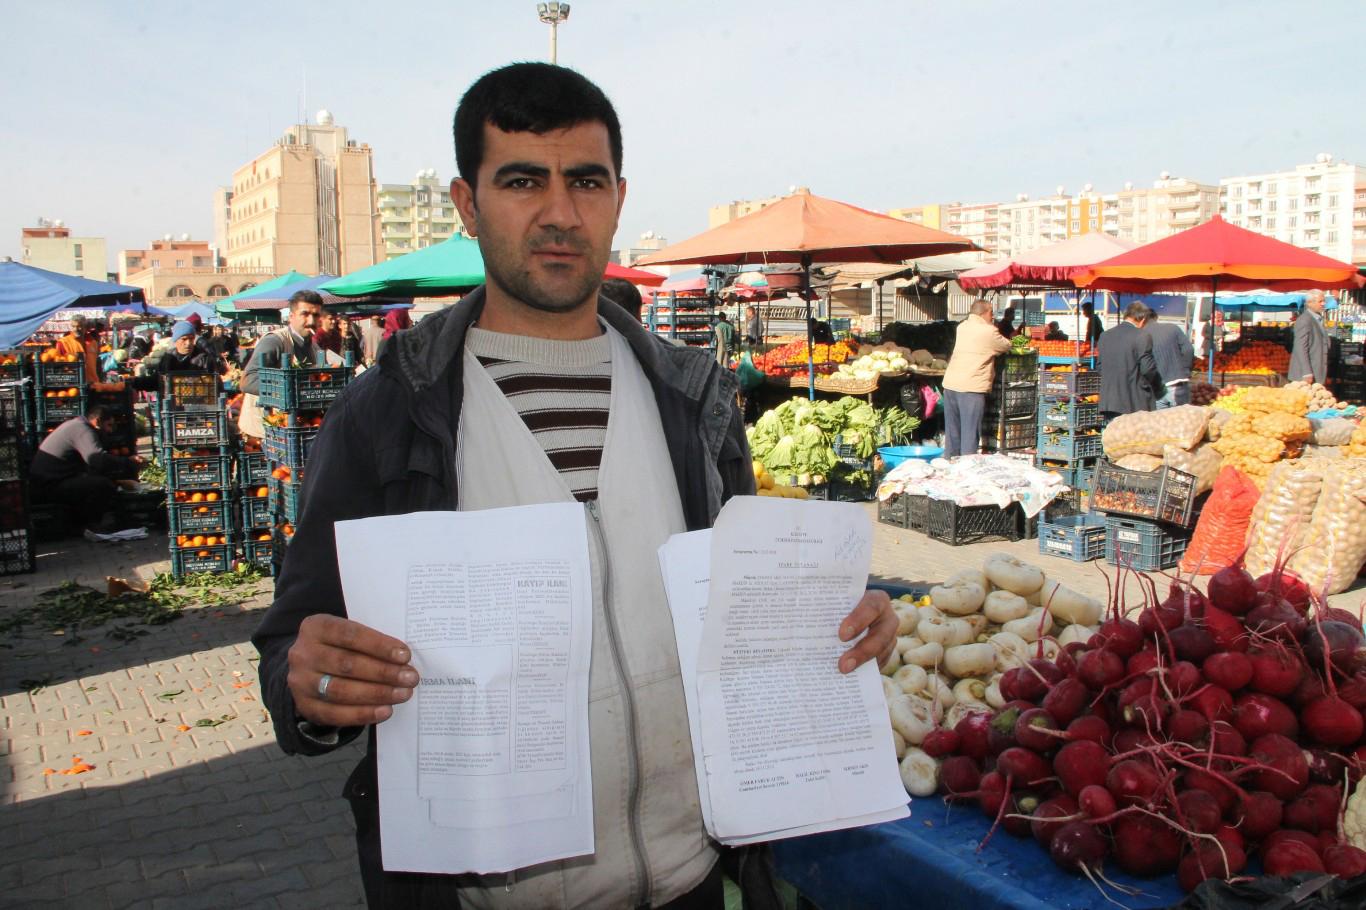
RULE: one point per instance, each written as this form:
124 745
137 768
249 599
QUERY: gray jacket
1129 380
274 350
1310 354
1172 350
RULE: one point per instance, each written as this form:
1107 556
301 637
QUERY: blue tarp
1162 304
184 311
29 296
1266 300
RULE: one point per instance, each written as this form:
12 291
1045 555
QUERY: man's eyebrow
587 170
521 167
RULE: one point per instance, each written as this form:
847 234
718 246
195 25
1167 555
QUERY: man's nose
561 210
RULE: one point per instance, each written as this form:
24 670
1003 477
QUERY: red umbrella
1048 266
635 276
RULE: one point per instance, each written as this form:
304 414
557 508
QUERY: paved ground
188 802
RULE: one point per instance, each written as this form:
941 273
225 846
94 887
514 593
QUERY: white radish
1011 650
940 688
946 632
919 773
1075 632
899 744
890 690
963 709
1070 607
1014 575
979 624
970 690
1003 606
994 696
907 617
958 599
926 654
969 577
911 679
970 660
892 664
1032 626
913 725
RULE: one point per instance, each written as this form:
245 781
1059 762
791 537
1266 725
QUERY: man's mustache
559 240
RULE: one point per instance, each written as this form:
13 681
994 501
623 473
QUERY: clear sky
122 118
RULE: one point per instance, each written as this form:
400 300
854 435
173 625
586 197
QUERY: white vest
499 463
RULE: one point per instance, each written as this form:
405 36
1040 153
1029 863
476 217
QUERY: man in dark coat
1309 358
1129 380
1174 356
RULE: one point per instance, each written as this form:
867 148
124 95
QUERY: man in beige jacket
968 379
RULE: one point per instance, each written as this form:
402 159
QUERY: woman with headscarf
396 321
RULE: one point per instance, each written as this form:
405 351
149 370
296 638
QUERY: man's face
303 319
1314 302
184 345
330 322
544 208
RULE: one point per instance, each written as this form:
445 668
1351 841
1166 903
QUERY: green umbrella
450 267
227 306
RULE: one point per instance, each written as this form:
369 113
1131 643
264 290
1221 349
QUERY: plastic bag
1218 539
750 376
1313 451
1146 432
1336 432
1314 890
1140 462
1282 516
1203 461
1334 548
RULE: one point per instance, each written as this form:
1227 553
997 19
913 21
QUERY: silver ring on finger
323 683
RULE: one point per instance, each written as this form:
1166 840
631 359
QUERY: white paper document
487 768
785 744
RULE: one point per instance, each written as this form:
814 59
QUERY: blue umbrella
194 308
29 296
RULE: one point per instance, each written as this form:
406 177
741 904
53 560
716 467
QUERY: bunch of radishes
1212 726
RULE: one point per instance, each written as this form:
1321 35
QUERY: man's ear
462 194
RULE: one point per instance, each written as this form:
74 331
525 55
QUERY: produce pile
1179 438
1269 427
1320 399
790 358
1263 358
1060 348
766 485
797 438
1182 736
888 359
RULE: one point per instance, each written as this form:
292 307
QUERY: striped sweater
563 392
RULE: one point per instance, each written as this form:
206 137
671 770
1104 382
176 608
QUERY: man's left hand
874 616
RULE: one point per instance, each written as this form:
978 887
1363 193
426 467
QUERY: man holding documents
532 389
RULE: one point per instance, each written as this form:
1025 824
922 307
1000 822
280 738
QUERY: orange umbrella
805 228
635 276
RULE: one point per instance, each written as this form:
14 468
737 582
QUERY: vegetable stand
931 860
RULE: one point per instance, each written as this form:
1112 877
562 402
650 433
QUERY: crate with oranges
256 512
200 512
201 552
56 406
209 470
258 549
60 371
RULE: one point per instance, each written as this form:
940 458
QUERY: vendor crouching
72 468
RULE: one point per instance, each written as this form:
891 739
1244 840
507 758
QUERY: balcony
1184 201
1187 216
390 216
393 231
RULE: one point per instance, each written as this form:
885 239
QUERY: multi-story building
718 215
649 242
50 246
172 272
222 218
1028 224
1319 206
416 215
309 203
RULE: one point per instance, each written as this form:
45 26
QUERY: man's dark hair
96 413
528 98
305 296
1088 308
1138 311
622 292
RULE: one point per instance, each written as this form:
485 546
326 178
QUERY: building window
1237 208
80 265
180 263
217 290
180 290
1271 189
1294 203
76 250
1076 226
1332 204
1270 222
1292 221
1311 199
1271 205
1237 192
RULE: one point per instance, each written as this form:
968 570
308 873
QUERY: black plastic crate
1166 494
53 411
1015 369
204 517
1351 392
260 553
957 525
252 468
1014 401
834 489
192 560
11 458
16 552
195 429
205 472
895 510
15 364
1076 474
284 498
1068 383
191 391
1069 415
14 512
1080 538
1143 545
307 388
61 375
288 445
256 512
1067 445
1010 434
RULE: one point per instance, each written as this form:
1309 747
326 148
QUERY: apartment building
50 246
174 271
718 215
1319 206
416 215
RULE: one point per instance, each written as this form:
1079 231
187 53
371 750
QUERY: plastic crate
15 364
252 468
284 498
1166 494
216 559
1069 415
1014 401
194 428
1076 474
1143 545
1068 383
16 552
288 445
307 388
1080 538
191 391
1065 445
61 375
260 553
11 459
52 411
833 490
201 517
256 512
206 472
1015 369
957 525
1010 434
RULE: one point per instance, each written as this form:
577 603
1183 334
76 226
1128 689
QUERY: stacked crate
295 400
17 369
16 521
59 393
197 452
1148 514
122 438
253 490
1009 422
1069 420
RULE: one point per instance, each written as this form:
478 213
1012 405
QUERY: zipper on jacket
629 703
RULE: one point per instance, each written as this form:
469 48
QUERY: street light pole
552 14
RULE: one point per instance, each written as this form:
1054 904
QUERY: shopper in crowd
1055 333
624 293
1309 357
430 428
183 357
83 340
754 327
291 345
396 321
1094 327
724 334
72 468
1129 379
1174 356
968 378
371 334
820 331
328 335
1006 324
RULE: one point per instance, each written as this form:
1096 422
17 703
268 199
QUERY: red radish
1230 837
1199 811
1066 700
1141 662
1148 712
1275 672
1022 683
1122 636
1096 801
1133 783
1099 669
991 793
1188 727
1192 643
1232 590
1227 630
1344 861
1048 670
959 775
1337 614
1288 586
1255 715
1196 779
1188 598
974 735
1228 669
1145 846
1066 662
1327 766
1326 839
1214 702
1288 857
1090 727
1154 621
1018 808
1342 642
1261 813
1001 732
1077 846
1209 861
1134 691
1026 768
1310 690
1131 739
1285 834
1184 678
940 743
1080 764
1226 740
1060 806
1275 618
1035 730
1351 690
1287 770
1332 721
1315 810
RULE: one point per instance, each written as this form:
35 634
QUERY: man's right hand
369 672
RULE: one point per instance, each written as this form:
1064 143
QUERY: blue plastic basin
892 456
